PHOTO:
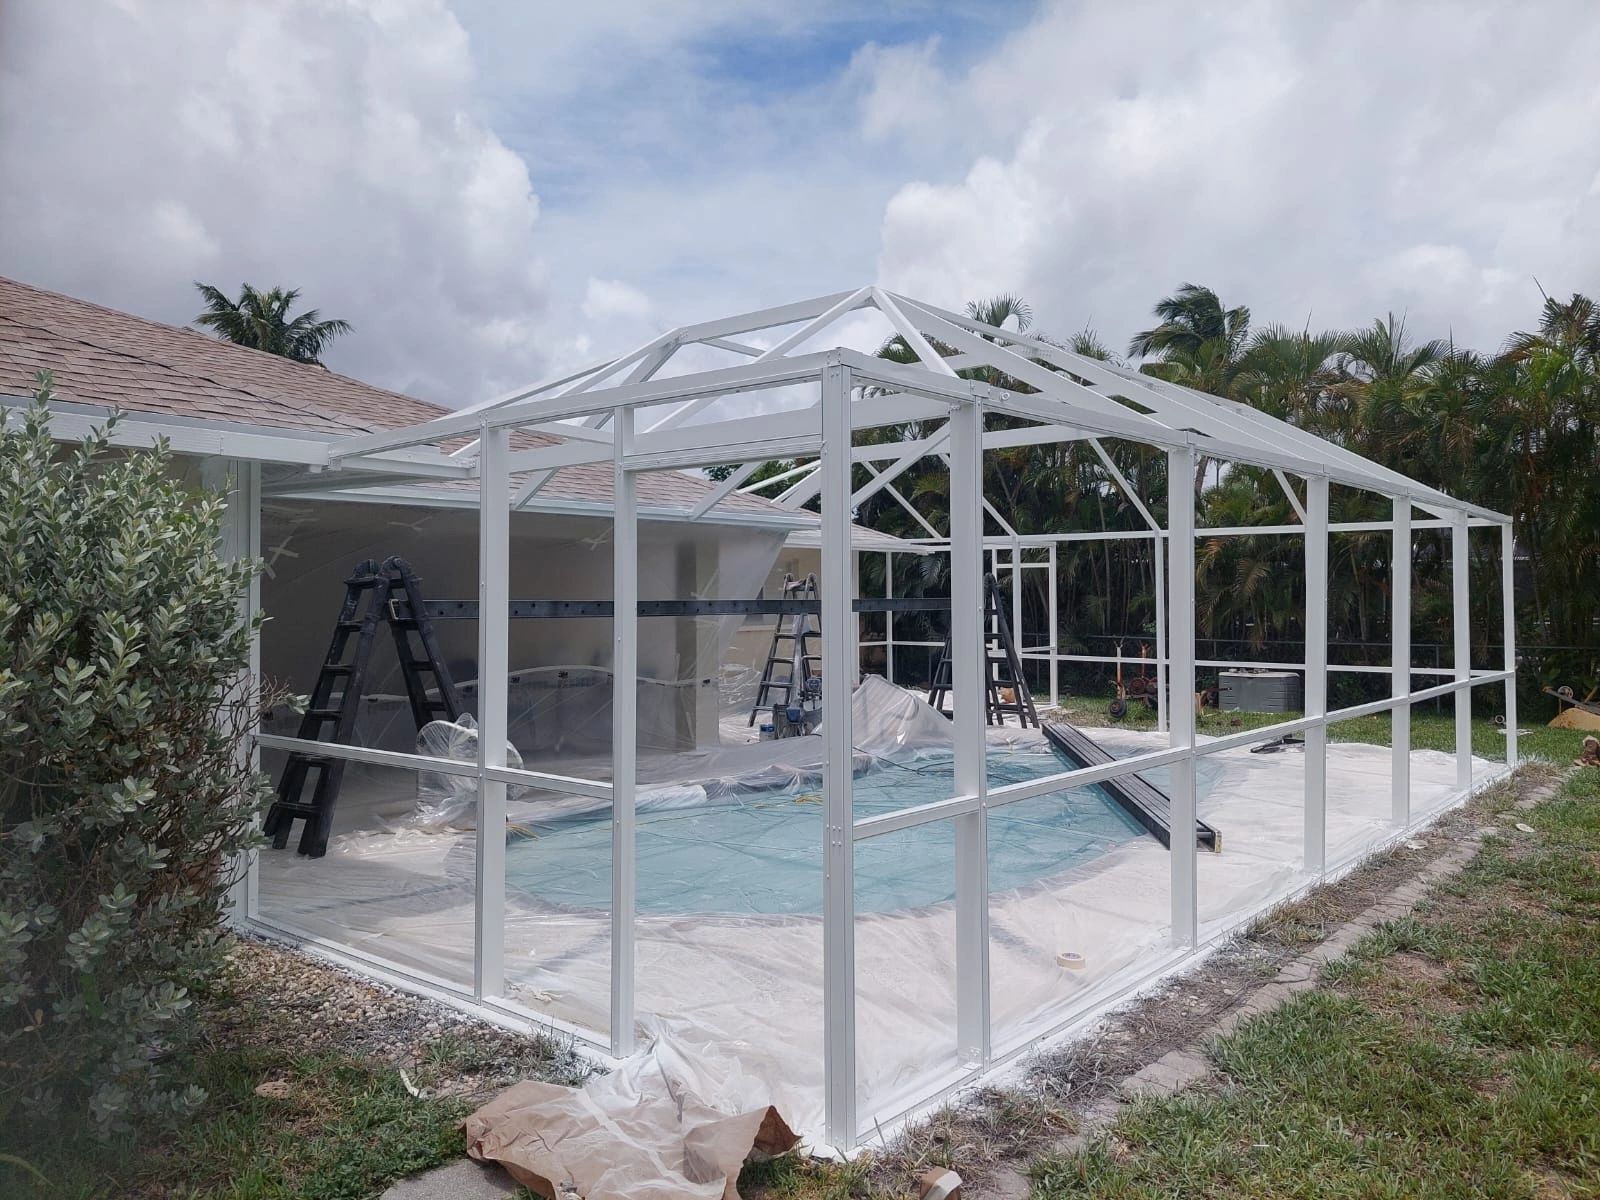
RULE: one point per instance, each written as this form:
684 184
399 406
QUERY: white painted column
624 730
967 676
1053 631
1461 623
494 598
1316 663
888 617
1016 591
1158 545
1180 526
1508 602
1400 664
240 482
838 662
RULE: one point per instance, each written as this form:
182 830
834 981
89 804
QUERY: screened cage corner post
1460 622
888 616
1316 669
239 481
1508 612
624 729
1159 545
1053 629
494 600
968 641
839 658
1181 722
1400 664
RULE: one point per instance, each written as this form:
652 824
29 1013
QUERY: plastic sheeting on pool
729 936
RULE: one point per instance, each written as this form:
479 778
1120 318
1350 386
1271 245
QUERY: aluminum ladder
375 592
1002 668
794 651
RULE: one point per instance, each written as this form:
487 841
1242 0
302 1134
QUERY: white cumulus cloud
1322 162
330 146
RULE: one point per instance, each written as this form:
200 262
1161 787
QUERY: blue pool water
761 853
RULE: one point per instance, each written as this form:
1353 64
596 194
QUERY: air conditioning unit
1260 691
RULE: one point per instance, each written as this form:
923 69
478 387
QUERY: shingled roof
100 356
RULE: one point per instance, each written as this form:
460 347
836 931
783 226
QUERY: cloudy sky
493 190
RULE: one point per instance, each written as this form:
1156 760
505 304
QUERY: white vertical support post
624 729
1053 631
494 613
1185 869
1508 608
967 685
1316 664
838 663
888 615
1400 665
240 482
1159 545
1016 594
1461 623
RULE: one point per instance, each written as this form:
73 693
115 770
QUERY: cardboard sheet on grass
673 1121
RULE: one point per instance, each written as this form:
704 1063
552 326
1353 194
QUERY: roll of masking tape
1071 960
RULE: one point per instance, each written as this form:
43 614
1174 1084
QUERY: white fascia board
253 443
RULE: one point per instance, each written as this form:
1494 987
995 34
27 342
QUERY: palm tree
261 321
1190 317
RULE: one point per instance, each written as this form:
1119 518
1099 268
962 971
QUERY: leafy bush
124 799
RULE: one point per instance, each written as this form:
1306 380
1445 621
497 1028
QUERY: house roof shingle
101 356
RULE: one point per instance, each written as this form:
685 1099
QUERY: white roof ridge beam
1320 457
1043 378
1019 367
721 381
1384 480
818 323
763 318
930 357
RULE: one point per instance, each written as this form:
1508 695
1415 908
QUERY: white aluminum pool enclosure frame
626 412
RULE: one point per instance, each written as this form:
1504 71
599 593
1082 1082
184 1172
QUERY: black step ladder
375 592
1002 668
793 651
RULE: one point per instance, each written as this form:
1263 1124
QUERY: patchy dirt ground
274 993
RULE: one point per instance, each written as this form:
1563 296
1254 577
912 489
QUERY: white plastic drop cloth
750 984
672 1122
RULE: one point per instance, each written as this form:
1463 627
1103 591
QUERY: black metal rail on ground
1139 798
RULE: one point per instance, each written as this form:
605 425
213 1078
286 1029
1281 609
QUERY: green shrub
124 797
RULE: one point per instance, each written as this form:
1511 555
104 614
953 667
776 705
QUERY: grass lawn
1430 730
1453 1053
304 1101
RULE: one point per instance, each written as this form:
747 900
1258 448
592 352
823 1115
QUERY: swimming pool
761 852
